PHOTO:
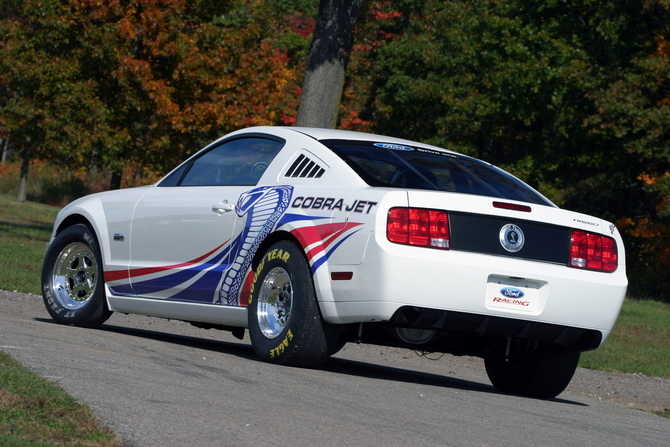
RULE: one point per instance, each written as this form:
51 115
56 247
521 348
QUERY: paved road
165 383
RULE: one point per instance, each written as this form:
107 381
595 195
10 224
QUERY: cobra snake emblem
263 207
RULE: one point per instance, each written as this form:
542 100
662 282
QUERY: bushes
48 183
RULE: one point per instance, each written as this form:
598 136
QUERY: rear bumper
571 338
452 291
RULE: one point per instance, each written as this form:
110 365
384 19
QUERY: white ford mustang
312 238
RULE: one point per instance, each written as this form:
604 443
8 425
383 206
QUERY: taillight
418 226
593 251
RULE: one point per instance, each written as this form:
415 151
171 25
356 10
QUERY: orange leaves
652 233
650 180
383 19
658 185
384 16
189 78
302 26
158 91
109 83
653 241
663 47
642 227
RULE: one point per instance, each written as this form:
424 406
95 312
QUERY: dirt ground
637 391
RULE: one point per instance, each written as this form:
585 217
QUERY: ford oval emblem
512 238
512 292
395 147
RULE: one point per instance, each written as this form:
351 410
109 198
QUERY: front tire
285 324
543 372
72 279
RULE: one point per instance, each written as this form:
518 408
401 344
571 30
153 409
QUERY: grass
25 228
36 412
639 343
33 411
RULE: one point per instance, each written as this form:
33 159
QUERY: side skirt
215 314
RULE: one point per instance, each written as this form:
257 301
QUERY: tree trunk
327 63
25 164
4 142
115 182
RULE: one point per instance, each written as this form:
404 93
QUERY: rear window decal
395 147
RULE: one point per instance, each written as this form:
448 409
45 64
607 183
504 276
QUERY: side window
173 178
239 162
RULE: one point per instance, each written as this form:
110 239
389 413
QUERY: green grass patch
25 228
639 343
36 412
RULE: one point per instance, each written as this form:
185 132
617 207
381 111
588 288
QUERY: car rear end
469 249
560 279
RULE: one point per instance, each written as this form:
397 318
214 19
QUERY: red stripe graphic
320 233
117 275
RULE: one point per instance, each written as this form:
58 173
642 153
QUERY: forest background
571 96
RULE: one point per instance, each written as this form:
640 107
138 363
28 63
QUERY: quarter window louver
303 167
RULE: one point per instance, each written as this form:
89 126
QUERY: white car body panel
168 239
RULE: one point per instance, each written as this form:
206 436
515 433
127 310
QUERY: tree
46 106
570 96
327 63
182 77
144 83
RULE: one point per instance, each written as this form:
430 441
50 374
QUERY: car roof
338 134
321 134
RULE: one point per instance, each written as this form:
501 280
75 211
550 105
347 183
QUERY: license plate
513 294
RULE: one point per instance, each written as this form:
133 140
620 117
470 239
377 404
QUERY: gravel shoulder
636 391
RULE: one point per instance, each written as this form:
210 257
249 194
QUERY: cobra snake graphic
263 207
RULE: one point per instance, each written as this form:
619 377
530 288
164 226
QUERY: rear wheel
285 324
72 283
543 372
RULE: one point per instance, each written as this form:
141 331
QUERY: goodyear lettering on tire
269 256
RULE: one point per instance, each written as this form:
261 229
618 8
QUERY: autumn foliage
154 80
573 97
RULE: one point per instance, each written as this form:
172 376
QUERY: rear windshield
399 166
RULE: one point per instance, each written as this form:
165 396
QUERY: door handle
223 207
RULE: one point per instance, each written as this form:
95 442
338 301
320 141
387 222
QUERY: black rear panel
481 234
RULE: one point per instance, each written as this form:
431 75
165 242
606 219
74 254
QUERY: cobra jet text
331 204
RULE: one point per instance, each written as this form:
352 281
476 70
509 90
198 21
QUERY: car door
182 230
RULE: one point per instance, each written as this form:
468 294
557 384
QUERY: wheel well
75 219
271 240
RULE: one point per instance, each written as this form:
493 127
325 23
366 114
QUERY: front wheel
285 324
72 283
543 372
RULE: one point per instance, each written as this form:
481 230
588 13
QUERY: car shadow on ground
407 375
335 365
391 373
240 349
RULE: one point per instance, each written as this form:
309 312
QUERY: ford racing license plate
514 294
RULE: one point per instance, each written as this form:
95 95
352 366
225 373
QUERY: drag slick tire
544 372
285 324
72 279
